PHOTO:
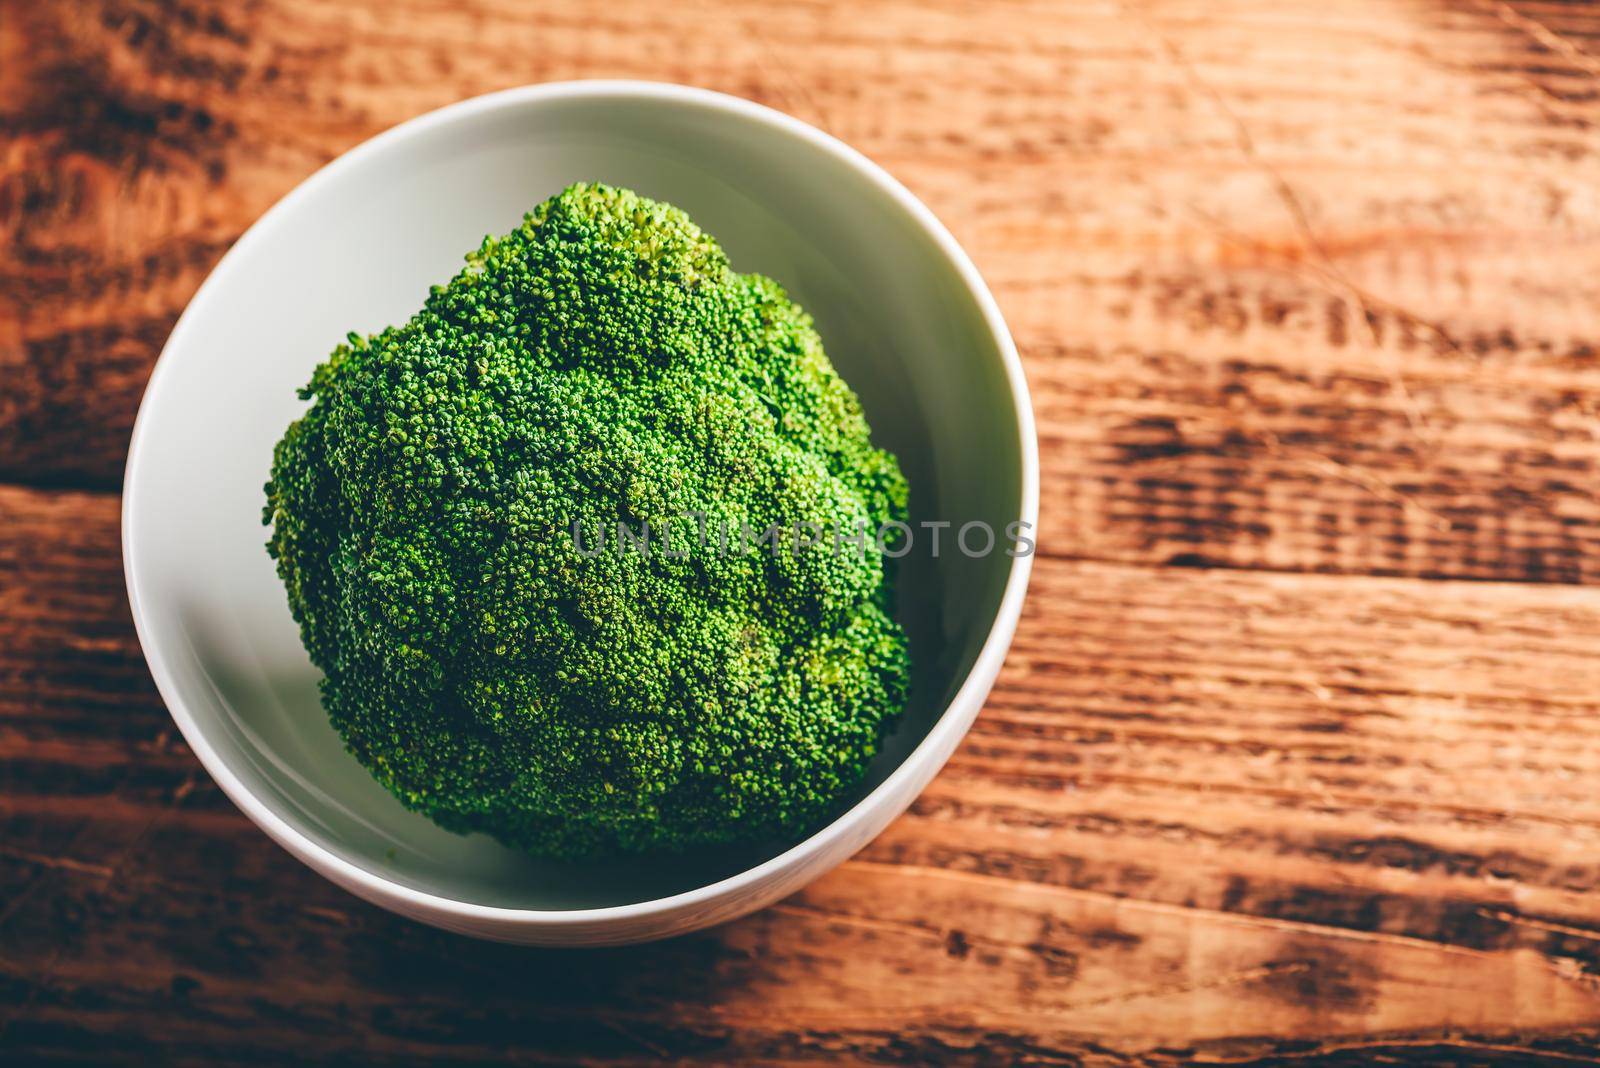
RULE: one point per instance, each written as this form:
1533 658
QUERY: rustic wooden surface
1296 758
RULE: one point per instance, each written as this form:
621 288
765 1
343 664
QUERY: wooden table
1296 757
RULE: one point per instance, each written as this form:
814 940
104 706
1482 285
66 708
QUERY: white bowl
903 314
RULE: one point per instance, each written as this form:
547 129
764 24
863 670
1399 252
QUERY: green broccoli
435 516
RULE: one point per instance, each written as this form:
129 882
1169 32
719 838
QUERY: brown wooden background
1296 758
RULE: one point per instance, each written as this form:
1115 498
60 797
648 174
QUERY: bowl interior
355 249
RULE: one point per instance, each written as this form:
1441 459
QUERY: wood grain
1295 756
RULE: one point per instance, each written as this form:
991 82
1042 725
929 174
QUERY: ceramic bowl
902 311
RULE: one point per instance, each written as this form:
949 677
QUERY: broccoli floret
601 362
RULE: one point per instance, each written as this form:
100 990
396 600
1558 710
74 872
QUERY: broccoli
435 514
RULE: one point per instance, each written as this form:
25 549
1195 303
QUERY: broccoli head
444 519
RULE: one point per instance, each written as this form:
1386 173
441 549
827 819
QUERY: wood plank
1271 320
942 967
1304 290
1206 815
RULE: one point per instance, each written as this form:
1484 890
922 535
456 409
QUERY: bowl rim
951 724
